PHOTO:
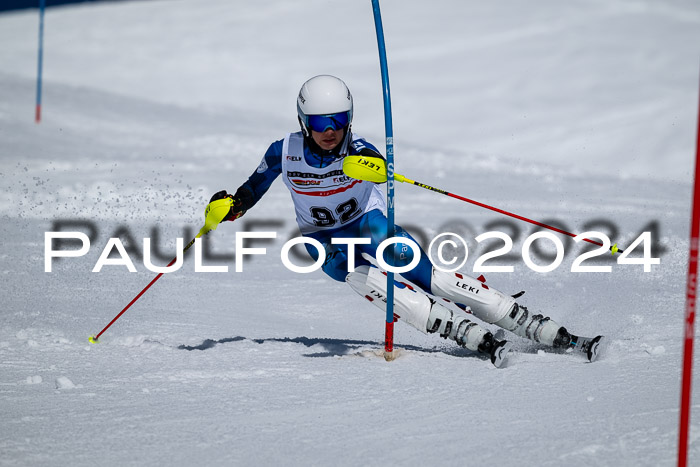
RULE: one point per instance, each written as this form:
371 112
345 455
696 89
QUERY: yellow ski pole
373 169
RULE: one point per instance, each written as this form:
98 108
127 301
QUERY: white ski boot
494 307
542 329
466 333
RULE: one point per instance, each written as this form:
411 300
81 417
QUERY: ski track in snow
143 123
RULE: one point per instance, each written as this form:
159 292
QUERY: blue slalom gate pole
42 7
389 332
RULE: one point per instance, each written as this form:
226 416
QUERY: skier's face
328 139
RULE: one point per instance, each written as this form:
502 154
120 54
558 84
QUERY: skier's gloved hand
220 195
367 152
236 210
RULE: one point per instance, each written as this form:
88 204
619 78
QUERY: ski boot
589 346
467 334
498 350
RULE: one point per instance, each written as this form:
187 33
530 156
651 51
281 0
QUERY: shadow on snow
332 347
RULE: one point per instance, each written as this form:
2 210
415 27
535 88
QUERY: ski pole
213 214
372 169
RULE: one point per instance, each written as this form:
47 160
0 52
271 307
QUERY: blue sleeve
260 181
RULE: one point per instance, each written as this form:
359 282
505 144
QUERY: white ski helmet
324 101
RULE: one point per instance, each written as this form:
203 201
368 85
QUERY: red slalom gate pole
690 298
40 61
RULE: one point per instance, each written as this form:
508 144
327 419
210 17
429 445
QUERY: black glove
236 210
367 152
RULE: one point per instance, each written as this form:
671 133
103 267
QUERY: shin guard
495 307
416 308
409 305
486 303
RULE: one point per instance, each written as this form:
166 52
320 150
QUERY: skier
331 205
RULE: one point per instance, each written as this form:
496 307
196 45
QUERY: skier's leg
374 226
426 314
495 307
416 308
335 264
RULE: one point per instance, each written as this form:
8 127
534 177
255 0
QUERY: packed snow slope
581 114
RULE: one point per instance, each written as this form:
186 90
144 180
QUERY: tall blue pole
42 5
389 333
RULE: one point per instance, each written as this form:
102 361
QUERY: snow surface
579 112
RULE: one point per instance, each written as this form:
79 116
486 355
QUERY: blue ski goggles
321 123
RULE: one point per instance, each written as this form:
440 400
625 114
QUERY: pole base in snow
389 356
93 340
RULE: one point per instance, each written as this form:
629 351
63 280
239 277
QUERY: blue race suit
369 223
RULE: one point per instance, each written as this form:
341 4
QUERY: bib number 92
344 212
